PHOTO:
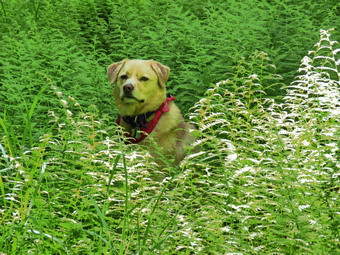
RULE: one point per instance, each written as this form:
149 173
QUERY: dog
147 114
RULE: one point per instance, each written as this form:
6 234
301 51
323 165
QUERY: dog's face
139 85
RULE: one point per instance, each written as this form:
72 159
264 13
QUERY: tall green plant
200 42
278 161
32 65
309 127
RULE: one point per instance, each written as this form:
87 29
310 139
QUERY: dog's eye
144 78
124 77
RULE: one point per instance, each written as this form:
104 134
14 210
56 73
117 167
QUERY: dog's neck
138 121
141 122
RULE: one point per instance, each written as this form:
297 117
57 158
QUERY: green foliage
73 41
277 162
37 62
265 179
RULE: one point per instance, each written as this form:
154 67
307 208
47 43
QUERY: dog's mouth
129 96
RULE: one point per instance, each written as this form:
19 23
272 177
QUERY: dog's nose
128 88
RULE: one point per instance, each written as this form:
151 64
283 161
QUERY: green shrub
200 41
265 179
37 62
273 167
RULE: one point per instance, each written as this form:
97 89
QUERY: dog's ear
162 71
113 70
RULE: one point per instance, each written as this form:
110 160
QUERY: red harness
149 126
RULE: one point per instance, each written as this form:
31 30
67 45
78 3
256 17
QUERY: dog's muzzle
127 89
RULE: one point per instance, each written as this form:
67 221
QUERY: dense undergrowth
69 44
266 179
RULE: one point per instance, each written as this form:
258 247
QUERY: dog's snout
128 88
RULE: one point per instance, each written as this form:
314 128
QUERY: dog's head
139 85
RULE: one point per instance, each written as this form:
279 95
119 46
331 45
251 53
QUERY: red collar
149 126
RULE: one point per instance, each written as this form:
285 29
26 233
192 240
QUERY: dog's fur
144 93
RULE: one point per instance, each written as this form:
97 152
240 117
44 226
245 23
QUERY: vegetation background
266 179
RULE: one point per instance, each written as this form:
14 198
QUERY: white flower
64 102
244 170
254 77
231 157
330 157
312 222
302 207
71 98
69 113
305 143
225 229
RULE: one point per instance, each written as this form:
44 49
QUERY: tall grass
264 181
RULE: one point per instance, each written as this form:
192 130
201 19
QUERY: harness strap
139 120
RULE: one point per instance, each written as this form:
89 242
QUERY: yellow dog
146 111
